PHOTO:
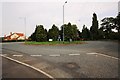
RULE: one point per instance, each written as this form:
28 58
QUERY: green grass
53 43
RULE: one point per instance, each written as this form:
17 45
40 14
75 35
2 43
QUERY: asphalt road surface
11 69
95 59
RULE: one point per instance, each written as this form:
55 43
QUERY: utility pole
63 21
24 18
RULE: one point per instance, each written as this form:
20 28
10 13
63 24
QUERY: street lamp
63 20
24 18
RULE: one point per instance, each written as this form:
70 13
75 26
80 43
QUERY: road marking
39 70
108 56
2 54
36 55
91 53
103 55
17 55
73 54
55 55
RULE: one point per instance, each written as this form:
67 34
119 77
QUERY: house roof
19 34
14 38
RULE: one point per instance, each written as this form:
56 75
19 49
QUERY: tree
46 33
110 23
79 35
40 33
101 33
117 20
33 37
85 33
107 25
75 32
94 28
70 32
117 25
53 33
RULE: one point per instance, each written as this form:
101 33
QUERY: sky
50 12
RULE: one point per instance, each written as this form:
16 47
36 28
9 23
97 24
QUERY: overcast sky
50 12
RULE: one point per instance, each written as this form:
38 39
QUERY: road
94 59
11 69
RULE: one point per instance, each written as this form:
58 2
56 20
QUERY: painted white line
30 67
55 55
3 54
91 53
74 54
94 53
36 55
17 55
108 56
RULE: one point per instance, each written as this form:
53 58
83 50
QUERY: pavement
94 59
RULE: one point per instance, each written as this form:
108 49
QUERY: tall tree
85 33
94 28
40 33
53 33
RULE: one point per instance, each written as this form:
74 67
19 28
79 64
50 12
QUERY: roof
9 36
19 34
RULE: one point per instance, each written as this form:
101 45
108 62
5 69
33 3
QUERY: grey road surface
11 69
95 59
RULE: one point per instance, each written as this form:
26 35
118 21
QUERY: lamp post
63 20
24 18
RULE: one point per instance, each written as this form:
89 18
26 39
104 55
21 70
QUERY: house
14 36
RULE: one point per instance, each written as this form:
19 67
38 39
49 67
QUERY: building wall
21 38
14 36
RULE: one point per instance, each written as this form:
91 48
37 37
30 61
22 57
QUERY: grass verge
53 43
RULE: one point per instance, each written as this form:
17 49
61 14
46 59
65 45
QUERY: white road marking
30 67
36 55
2 54
108 56
94 53
91 53
55 55
74 54
17 55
